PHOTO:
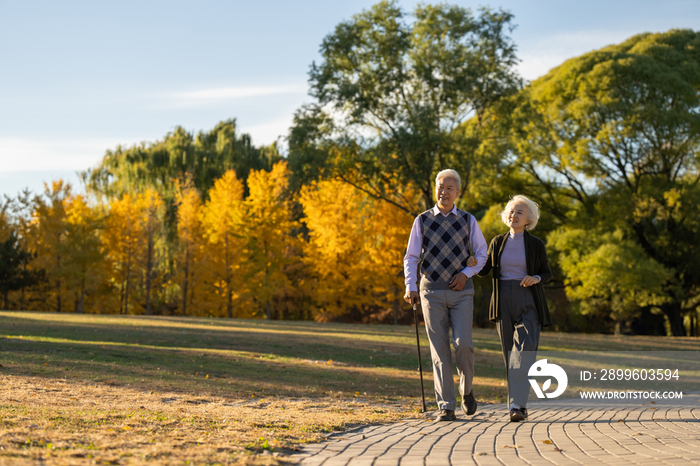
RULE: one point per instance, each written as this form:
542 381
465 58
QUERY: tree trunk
149 267
267 291
82 295
7 302
21 299
58 280
673 312
396 312
229 297
126 292
184 285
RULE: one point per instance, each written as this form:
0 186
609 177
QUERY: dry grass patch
91 389
80 422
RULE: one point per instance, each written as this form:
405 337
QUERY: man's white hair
533 211
449 173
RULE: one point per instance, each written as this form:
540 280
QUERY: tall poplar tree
83 247
122 238
268 227
190 233
223 225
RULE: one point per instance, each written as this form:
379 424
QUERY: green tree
13 276
179 156
609 273
610 140
398 89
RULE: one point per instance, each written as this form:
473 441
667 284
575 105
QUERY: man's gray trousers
443 309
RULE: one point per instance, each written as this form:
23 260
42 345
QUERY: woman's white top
513 264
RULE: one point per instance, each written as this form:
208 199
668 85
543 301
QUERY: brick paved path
566 432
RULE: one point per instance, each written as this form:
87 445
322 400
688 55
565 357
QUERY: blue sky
80 77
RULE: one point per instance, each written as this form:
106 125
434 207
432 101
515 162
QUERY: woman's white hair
533 211
449 173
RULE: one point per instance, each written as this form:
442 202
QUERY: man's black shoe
469 403
516 415
524 411
446 415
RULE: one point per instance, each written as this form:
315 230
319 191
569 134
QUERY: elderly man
444 236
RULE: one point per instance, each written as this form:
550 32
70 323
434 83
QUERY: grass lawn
86 389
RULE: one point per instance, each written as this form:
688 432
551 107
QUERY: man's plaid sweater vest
445 248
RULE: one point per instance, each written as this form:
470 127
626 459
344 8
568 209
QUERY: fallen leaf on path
548 442
557 449
511 446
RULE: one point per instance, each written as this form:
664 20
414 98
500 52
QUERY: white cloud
204 97
267 133
22 155
547 52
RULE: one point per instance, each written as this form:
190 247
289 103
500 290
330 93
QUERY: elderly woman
518 305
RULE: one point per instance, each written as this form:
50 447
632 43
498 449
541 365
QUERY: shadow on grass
241 358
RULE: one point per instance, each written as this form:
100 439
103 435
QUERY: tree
609 272
190 234
268 227
388 234
82 224
612 138
150 207
336 215
397 92
22 209
181 155
223 224
49 217
12 274
122 239
355 248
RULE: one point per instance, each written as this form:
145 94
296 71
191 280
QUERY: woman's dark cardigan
537 264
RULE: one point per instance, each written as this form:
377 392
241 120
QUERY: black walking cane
420 363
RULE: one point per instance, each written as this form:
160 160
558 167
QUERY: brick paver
558 432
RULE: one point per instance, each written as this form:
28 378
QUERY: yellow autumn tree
122 241
222 220
388 232
191 254
268 225
151 211
355 249
337 216
84 253
49 243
